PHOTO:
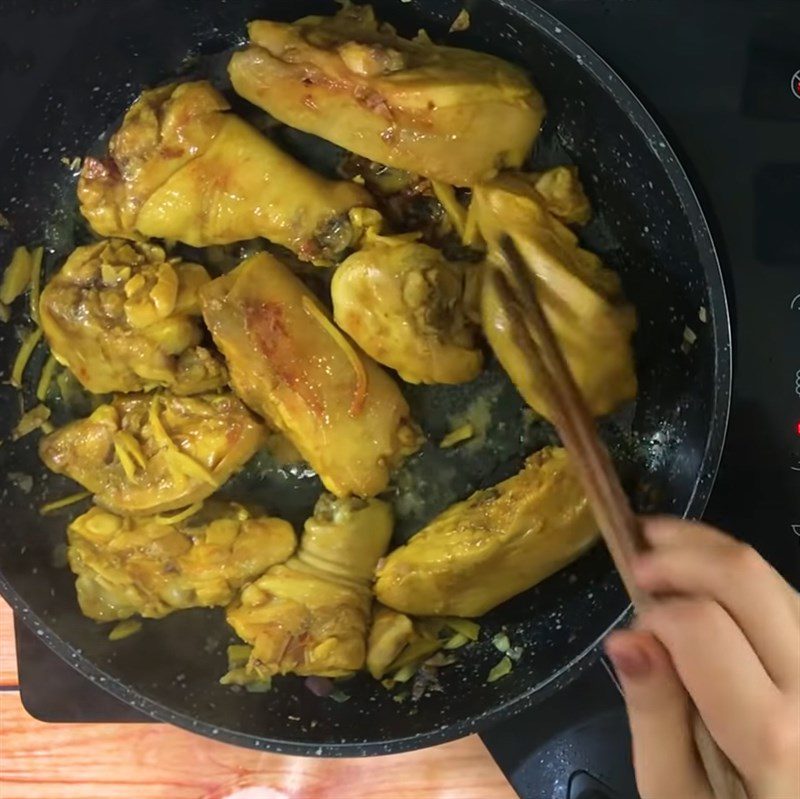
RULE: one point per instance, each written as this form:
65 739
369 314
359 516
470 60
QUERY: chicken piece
582 299
390 634
124 318
182 167
402 303
398 644
494 545
149 454
442 112
292 365
152 566
311 615
563 194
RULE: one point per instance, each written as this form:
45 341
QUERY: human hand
725 630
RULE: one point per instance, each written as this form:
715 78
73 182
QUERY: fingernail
632 662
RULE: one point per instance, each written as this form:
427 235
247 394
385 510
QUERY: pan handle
574 745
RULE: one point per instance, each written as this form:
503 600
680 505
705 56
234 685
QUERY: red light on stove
797 429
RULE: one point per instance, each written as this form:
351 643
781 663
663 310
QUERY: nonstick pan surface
68 71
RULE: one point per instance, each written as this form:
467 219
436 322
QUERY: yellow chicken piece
402 303
150 454
494 545
151 566
292 365
124 318
311 615
563 194
182 167
451 114
560 191
582 299
390 634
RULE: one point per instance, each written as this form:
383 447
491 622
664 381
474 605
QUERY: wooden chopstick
577 429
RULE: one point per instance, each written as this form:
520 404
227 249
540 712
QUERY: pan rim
628 102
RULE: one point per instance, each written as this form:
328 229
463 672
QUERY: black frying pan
67 73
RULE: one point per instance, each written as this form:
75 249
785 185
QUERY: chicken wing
182 167
311 615
149 454
292 365
124 318
498 543
152 566
582 298
443 112
402 303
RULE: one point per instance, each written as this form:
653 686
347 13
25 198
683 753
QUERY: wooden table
155 761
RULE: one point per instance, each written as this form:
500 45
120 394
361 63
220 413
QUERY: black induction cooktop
722 78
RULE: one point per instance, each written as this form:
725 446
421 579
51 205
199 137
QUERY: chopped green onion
406 673
468 628
515 653
500 670
461 22
236 676
440 659
339 696
458 640
501 643
238 655
260 687
125 629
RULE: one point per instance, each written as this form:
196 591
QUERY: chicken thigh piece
493 545
152 566
183 167
123 317
581 298
150 454
311 616
443 112
402 302
293 366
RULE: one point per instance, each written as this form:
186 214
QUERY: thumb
664 754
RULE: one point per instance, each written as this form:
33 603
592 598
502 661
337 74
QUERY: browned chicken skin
442 112
149 454
292 365
125 318
183 167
